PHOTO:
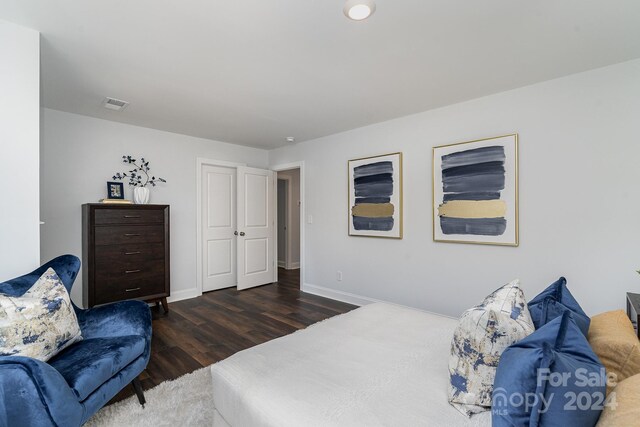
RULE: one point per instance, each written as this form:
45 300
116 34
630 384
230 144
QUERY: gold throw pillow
622 409
613 339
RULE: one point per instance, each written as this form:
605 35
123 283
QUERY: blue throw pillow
550 378
554 302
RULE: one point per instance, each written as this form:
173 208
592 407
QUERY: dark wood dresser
125 253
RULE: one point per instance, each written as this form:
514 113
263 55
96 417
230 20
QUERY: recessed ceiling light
359 9
114 104
291 139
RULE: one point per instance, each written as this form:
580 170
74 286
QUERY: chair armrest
32 393
116 320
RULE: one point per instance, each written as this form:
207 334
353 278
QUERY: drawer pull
132 234
132 290
133 253
131 271
132 216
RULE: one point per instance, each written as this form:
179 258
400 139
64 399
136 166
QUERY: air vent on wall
114 104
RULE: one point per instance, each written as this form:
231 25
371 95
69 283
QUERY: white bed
379 365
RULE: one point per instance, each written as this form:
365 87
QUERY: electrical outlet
339 276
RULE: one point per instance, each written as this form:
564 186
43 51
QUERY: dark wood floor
204 330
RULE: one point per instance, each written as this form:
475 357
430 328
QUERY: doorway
289 209
283 218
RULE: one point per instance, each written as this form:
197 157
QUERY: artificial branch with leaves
139 175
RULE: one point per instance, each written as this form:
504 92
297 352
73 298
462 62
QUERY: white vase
141 195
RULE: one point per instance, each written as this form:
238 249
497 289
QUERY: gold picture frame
475 192
375 196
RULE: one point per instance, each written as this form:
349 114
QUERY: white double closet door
238 224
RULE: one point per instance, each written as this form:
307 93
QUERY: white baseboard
291 266
184 294
338 295
358 300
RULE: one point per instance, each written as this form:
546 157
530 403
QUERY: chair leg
137 387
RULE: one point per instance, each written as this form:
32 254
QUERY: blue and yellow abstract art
375 196
476 191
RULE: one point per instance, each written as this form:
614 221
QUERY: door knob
242 233
235 233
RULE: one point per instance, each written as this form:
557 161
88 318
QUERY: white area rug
186 401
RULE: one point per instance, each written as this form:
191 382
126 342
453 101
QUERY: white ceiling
253 72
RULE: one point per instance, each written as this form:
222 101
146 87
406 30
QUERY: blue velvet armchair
72 386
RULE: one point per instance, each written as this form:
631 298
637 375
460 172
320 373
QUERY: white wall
579 198
19 147
81 154
294 215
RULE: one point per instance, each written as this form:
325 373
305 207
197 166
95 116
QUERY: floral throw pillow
483 333
40 323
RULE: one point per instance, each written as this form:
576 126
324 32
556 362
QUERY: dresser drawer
126 254
126 234
128 270
128 216
118 290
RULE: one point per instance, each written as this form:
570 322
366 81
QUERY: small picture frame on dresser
115 190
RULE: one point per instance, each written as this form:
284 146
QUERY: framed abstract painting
375 196
475 192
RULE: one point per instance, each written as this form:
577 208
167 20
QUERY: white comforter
379 365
